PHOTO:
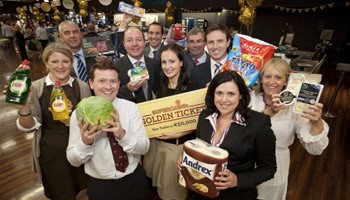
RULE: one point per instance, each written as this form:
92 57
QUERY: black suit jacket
89 61
124 65
190 63
247 146
201 75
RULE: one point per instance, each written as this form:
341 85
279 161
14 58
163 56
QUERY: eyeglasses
192 42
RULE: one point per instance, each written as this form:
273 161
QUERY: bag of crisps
247 57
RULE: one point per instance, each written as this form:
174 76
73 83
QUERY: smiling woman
228 123
59 178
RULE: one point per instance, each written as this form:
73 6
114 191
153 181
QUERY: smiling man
155 33
111 155
71 35
139 91
218 40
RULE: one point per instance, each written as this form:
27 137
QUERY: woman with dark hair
160 161
228 123
20 41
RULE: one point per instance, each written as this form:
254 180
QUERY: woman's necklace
266 104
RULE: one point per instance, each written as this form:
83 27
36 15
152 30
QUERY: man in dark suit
155 33
139 91
217 37
71 35
196 54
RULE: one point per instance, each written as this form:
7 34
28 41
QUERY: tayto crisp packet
247 57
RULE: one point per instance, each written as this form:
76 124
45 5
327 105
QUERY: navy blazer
89 61
247 146
190 63
201 75
124 65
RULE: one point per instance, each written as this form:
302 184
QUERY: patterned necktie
81 69
145 85
120 157
217 68
195 61
154 54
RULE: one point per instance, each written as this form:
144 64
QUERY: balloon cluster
95 12
168 11
38 15
83 8
135 19
247 11
23 14
56 17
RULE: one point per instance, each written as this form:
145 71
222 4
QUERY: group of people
253 126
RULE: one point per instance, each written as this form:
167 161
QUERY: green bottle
19 84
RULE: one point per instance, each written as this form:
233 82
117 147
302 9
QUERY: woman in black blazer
247 136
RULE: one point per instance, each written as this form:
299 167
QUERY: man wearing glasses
196 54
71 35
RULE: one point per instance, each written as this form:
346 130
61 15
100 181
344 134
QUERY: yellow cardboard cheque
172 114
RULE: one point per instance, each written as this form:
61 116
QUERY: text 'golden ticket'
172 114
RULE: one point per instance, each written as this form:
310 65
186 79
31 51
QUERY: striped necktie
81 69
217 68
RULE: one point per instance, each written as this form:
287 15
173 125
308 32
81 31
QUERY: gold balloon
167 11
56 18
24 17
82 12
57 12
242 9
136 20
35 8
254 3
138 4
241 2
168 4
53 6
170 18
240 18
83 4
249 12
35 13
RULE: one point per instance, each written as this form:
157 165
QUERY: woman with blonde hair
309 127
60 179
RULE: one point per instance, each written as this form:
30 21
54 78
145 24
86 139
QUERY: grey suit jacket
201 75
124 65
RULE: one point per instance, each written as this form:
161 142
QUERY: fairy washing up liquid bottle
59 102
19 84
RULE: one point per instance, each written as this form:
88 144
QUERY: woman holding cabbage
160 161
60 179
310 128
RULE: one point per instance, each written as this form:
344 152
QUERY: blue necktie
81 69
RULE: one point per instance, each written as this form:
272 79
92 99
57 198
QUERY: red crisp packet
247 57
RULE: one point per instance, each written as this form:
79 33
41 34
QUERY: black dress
60 179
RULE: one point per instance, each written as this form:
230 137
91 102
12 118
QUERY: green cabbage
96 110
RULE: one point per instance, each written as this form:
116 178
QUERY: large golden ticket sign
172 114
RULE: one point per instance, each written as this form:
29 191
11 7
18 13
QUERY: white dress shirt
98 157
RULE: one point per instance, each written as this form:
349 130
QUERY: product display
138 74
201 163
287 97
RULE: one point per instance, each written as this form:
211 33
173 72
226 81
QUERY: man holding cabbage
108 136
